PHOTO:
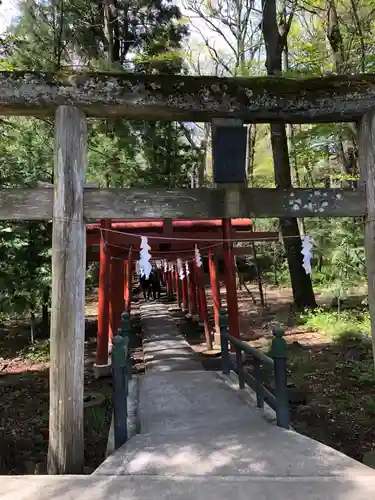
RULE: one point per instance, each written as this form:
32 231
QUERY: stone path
200 440
164 348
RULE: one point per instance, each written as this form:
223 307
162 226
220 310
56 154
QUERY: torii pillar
215 288
229 148
102 366
203 308
128 281
193 308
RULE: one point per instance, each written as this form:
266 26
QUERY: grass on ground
337 324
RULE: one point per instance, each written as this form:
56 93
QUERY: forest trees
237 38
275 34
308 38
239 26
113 35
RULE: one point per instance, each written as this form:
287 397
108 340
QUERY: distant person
145 286
156 283
154 288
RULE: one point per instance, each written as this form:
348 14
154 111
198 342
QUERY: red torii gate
118 243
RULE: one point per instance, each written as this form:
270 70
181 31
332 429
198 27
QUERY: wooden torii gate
72 97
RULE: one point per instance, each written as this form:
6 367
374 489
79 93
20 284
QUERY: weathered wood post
66 445
215 287
103 301
367 172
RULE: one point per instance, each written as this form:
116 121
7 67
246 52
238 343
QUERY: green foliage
149 36
38 352
146 36
25 159
338 325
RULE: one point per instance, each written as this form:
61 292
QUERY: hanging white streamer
198 259
165 265
144 258
180 269
307 246
170 267
187 271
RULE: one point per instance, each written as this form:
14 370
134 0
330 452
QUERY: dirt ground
334 380
24 396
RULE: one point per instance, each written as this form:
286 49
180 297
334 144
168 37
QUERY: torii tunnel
117 244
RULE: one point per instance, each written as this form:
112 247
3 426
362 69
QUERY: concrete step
182 488
260 451
174 401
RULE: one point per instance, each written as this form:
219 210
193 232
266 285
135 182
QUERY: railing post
127 332
258 383
119 395
225 360
281 384
241 380
120 333
125 322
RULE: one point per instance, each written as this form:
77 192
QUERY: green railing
277 362
121 375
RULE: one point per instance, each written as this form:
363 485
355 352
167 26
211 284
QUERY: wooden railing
121 375
277 362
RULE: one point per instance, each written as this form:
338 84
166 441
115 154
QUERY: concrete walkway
200 440
164 348
193 424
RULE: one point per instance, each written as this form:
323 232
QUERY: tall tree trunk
250 157
293 160
45 310
347 147
112 31
202 166
303 293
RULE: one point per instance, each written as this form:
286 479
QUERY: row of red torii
117 245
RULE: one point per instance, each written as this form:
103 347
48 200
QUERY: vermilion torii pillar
104 298
128 281
215 288
177 285
169 284
230 281
229 149
185 295
203 308
192 293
